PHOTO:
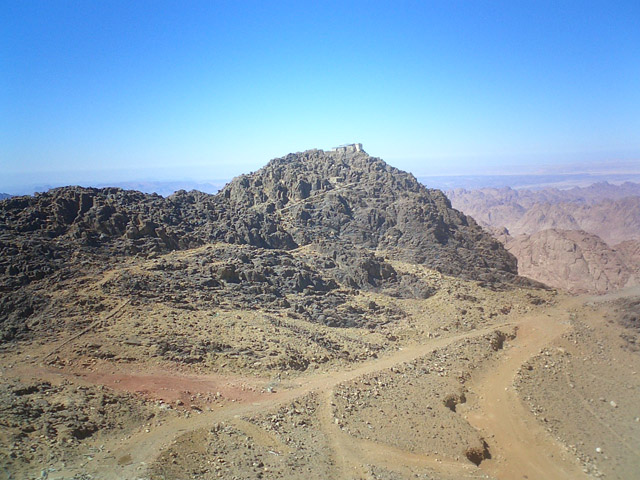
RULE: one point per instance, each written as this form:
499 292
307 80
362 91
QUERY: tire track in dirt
585 404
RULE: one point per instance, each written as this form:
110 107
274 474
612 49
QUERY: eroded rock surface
581 239
344 207
573 260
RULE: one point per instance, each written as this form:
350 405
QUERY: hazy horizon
522 180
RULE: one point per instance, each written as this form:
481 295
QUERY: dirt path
342 455
519 446
131 456
350 453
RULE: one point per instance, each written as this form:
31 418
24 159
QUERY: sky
99 91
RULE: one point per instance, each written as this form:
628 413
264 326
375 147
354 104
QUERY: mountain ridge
581 239
271 208
610 211
345 216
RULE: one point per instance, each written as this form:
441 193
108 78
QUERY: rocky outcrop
630 251
42 420
351 199
576 261
627 313
355 199
353 214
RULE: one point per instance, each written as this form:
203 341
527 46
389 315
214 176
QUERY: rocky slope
355 199
582 239
351 210
573 260
630 253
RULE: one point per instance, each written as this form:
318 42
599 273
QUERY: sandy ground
465 403
520 447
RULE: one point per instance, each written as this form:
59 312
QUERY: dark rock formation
350 209
626 311
355 199
350 198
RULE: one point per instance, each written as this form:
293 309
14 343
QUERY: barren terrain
443 400
580 240
295 326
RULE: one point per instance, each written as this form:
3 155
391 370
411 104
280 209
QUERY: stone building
350 147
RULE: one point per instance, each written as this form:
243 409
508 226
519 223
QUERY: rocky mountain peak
353 214
298 176
355 199
346 200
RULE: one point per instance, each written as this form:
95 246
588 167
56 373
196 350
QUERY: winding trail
520 448
141 449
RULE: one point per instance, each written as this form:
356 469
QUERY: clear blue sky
124 90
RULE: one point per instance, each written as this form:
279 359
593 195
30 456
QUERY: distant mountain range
168 188
164 188
535 182
583 239
610 211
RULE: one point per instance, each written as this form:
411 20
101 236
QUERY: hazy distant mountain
4 195
575 260
612 220
167 188
583 239
164 188
527 197
610 211
534 182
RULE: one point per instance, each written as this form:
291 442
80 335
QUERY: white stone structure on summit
349 147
